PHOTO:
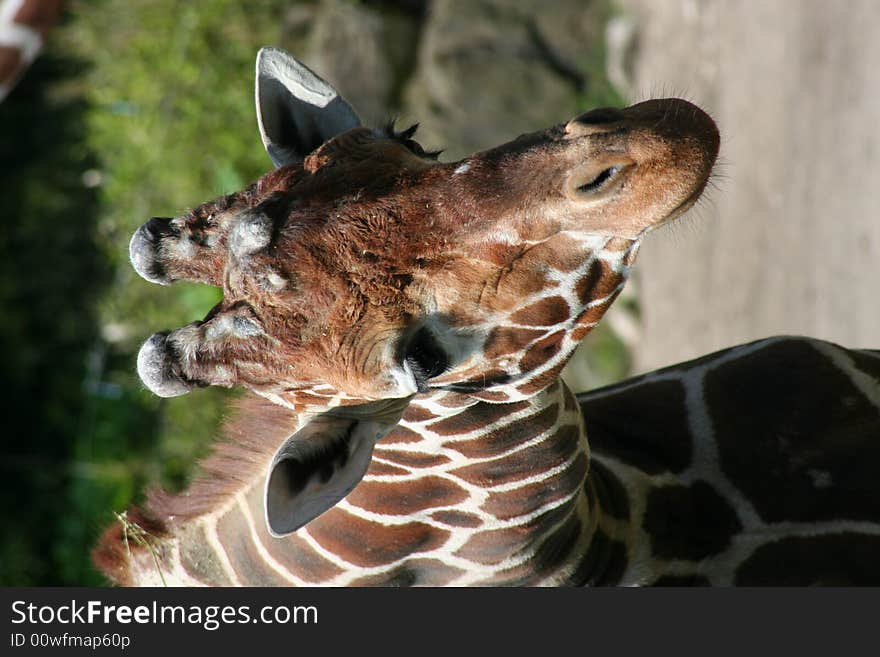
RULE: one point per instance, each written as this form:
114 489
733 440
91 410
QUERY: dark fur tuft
405 137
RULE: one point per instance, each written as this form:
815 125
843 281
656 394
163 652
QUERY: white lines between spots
267 558
866 384
220 551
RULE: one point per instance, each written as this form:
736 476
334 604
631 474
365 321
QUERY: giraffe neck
504 483
461 492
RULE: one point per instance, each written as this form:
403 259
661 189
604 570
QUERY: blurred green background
145 109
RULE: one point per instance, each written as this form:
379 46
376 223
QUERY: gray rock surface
474 73
489 70
347 46
789 242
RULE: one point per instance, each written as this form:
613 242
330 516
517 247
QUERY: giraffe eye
604 176
594 180
425 358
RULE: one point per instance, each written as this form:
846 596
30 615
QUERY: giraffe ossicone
405 321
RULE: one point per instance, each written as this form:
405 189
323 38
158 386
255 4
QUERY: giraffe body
735 491
406 321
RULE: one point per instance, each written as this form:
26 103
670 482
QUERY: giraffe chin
155 370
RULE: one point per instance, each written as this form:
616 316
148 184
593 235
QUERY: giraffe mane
248 439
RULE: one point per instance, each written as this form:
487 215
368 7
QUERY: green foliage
169 135
152 131
168 132
50 275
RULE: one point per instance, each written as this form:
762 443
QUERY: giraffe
23 27
403 323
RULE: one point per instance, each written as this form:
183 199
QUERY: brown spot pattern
478 415
599 281
411 459
820 427
843 559
617 244
549 556
563 251
508 436
501 253
505 341
400 434
542 351
530 498
298 557
525 277
455 400
494 546
247 563
477 381
551 453
689 522
417 414
591 316
496 396
371 544
456 518
549 311
308 398
401 500
625 425
542 380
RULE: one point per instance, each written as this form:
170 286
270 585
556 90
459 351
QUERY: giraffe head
362 271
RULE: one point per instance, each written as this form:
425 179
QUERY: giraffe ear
323 461
297 111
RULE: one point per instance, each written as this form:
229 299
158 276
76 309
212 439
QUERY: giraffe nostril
588 122
600 116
